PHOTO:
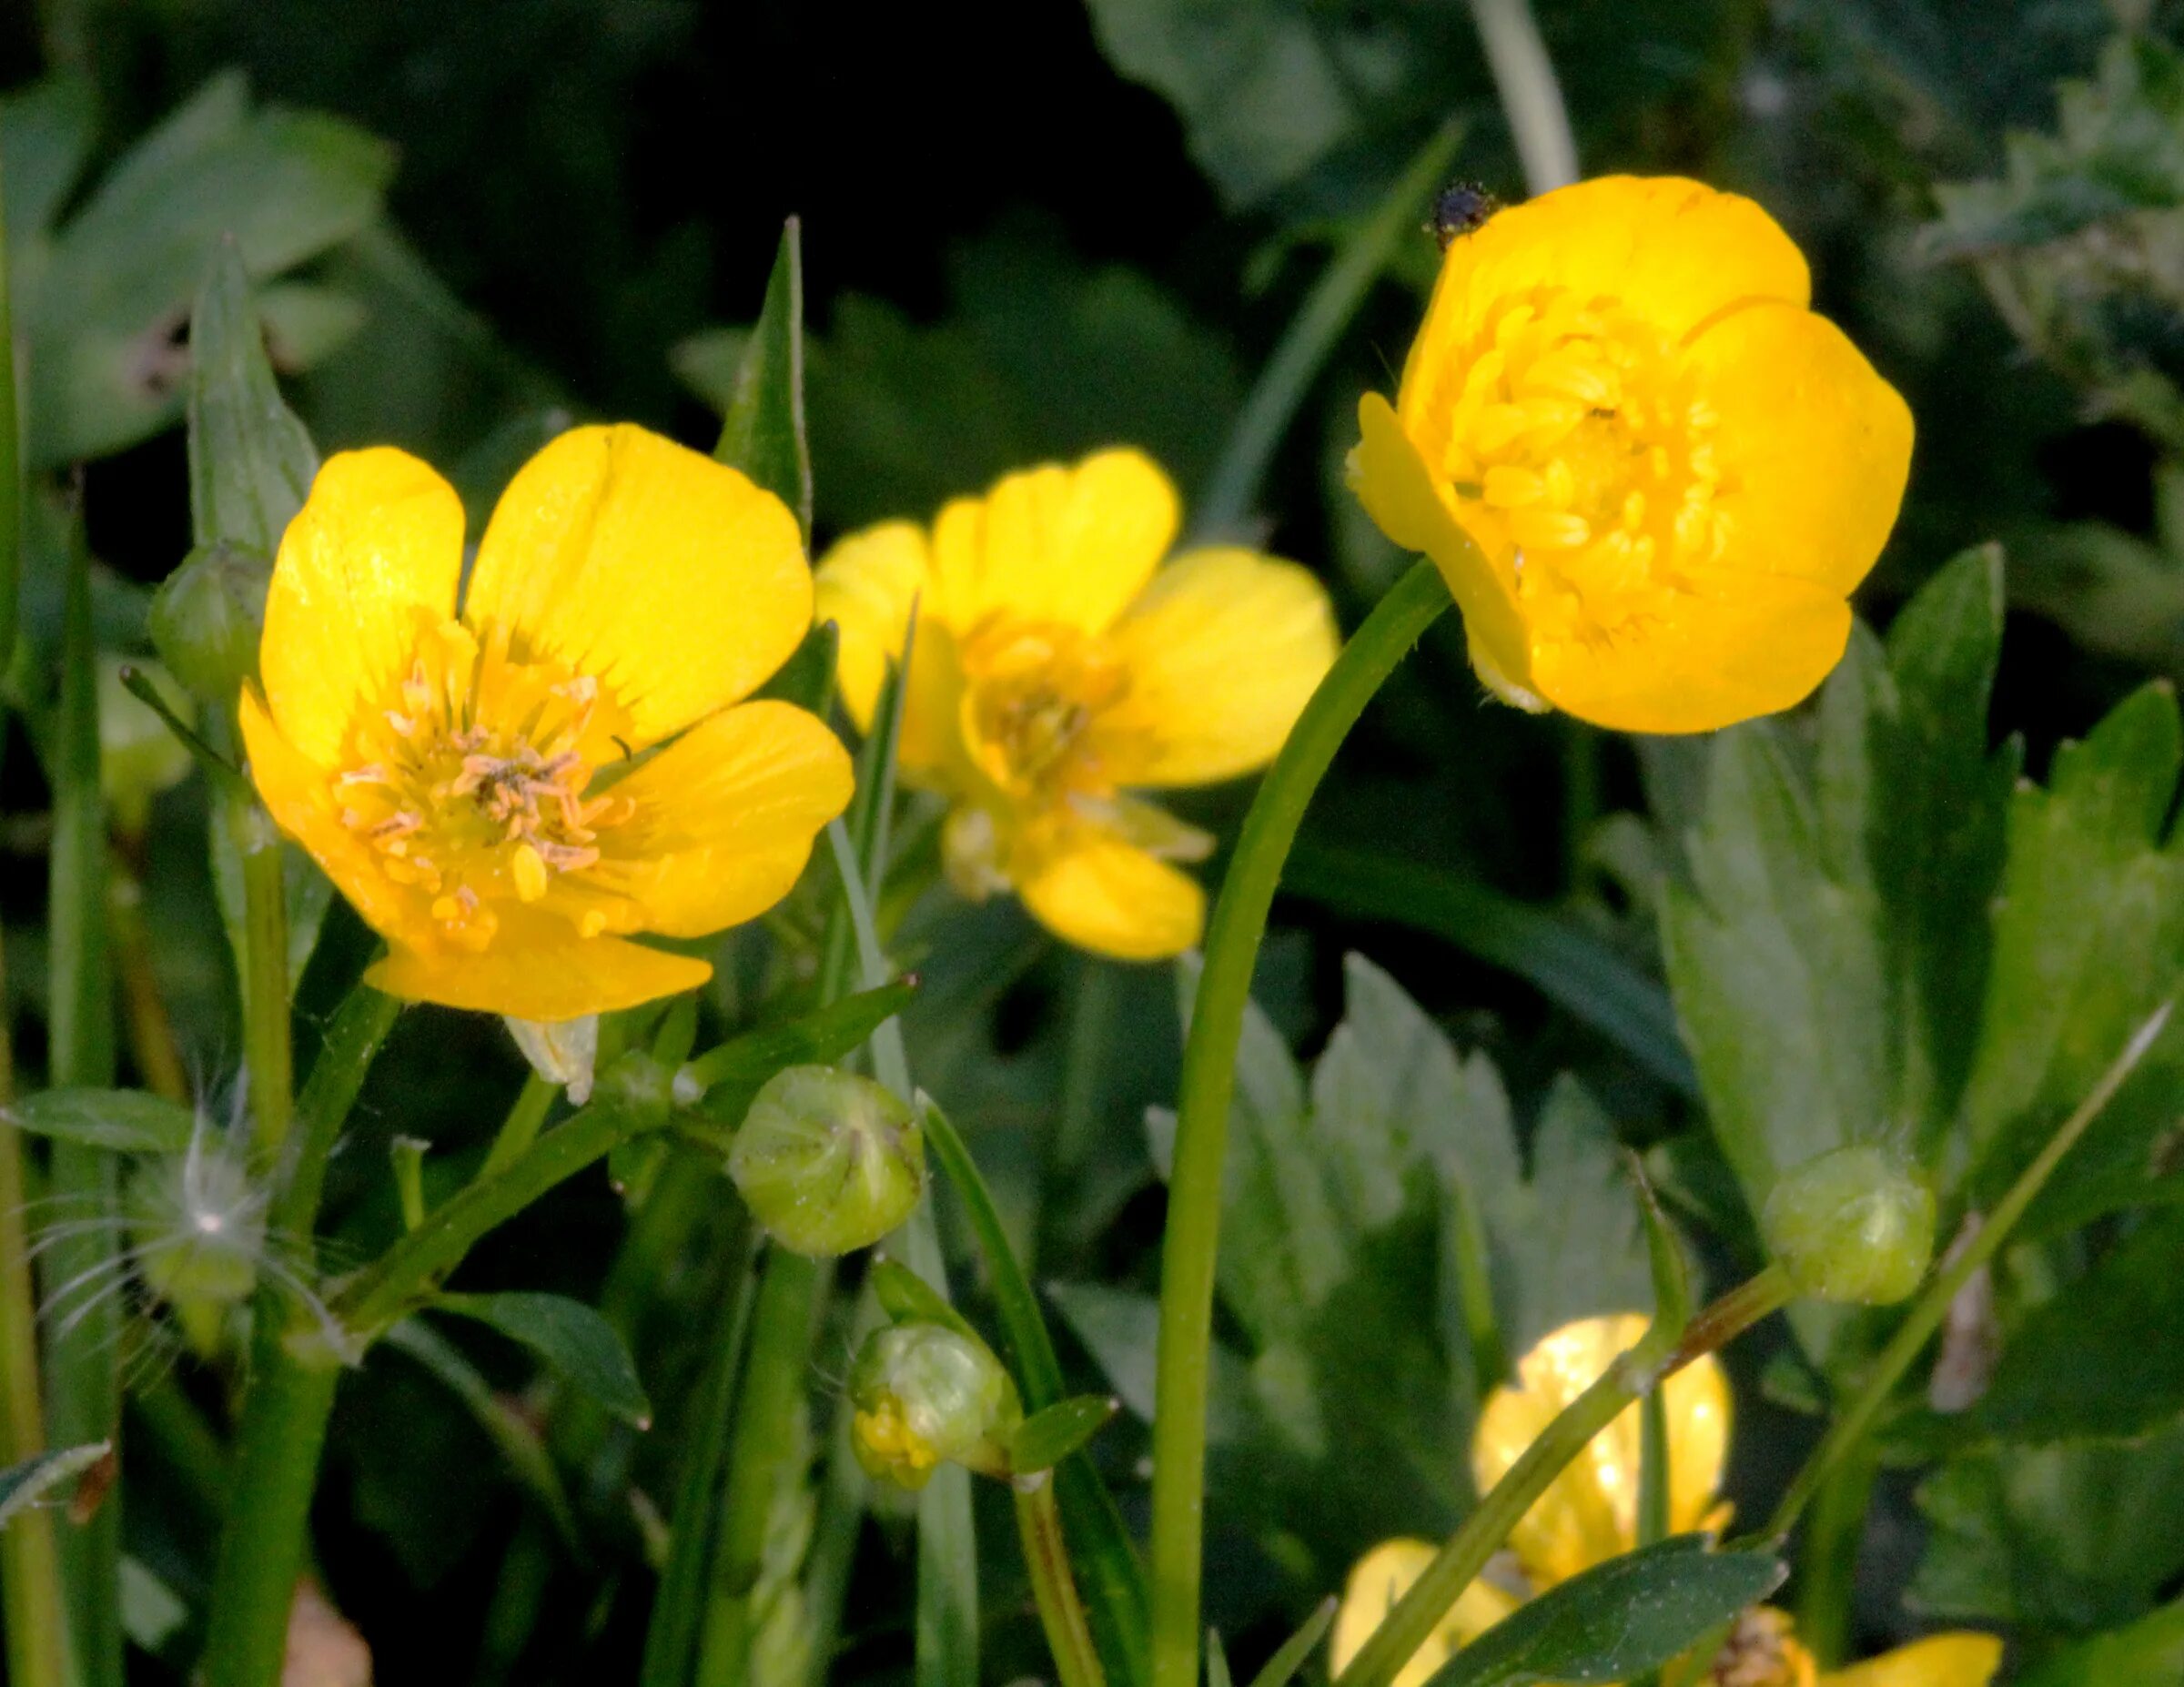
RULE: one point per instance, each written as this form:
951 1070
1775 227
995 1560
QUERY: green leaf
1826 958
1217 1661
1047 1438
1664 1259
1290 1655
125 1121
2089 941
46 130
27 1483
104 316
1618 1619
907 1299
2078 1536
570 1338
250 460
761 425
2148 1653
2080 1365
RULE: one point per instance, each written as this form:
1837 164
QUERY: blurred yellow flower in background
1590 1515
1056 666
1649 475
477 786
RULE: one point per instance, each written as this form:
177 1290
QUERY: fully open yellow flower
1056 666
1649 473
462 778
1590 1514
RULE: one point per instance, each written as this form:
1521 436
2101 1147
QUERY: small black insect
1457 209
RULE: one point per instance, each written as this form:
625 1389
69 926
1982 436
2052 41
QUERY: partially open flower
827 1161
479 785
1649 475
1057 667
926 1395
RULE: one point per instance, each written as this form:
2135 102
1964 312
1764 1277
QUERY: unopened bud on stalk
1856 1223
927 1395
207 617
827 1161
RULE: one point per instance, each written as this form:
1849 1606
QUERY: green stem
1849 1428
1431 1599
267 1054
1068 1636
759 1458
1531 98
83 1288
1209 1080
1827 1560
30 1572
520 1128
11 473
1653 1484
409 1270
150 1028
671 1641
1288 377
295 1371
1092 1015
1475 1293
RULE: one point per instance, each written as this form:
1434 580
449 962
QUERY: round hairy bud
926 1395
1856 1223
827 1161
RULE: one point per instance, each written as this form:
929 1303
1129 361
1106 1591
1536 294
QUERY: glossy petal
1939 1661
1094 890
300 794
538 968
671 579
725 819
379 540
1223 651
1589 1512
1382 1577
1071 544
1676 252
1816 446
1391 478
1746 645
867 584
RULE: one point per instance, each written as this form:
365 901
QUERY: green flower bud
138 755
828 1161
1856 1223
206 618
926 1395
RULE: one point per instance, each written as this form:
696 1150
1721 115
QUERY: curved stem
1209 1080
1928 1312
1068 1636
1431 1599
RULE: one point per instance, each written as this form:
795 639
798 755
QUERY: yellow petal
538 969
1814 446
669 577
866 585
1959 1660
1382 1577
1674 251
299 796
1392 480
1588 1514
1223 651
1743 645
1073 545
379 540
1091 889
725 819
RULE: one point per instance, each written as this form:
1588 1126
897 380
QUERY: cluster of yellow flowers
1590 1515
1649 473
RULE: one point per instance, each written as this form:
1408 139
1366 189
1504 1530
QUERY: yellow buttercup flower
1056 667
1590 1514
473 781
1669 472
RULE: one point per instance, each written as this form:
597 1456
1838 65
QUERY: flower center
1034 693
1760 1651
470 783
1582 461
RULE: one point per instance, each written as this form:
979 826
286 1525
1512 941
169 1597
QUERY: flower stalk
1061 1611
1233 934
